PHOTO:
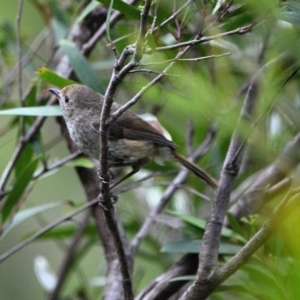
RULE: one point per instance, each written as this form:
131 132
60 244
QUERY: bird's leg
135 168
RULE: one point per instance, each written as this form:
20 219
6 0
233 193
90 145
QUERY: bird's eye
67 99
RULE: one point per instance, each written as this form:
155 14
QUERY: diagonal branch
208 257
236 262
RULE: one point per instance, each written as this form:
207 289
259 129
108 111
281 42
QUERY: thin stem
19 49
58 164
241 30
174 15
21 245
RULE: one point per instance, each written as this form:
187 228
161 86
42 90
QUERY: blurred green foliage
208 92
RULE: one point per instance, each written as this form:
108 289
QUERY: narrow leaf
19 187
82 68
226 232
38 111
28 213
129 11
91 6
52 78
107 22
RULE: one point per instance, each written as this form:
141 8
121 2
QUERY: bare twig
58 164
250 248
20 71
103 157
45 229
255 196
163 287
135 185
151 72
208 257
196 59
241 30
19 49
137 56
174 15
26 59
9 167
143 90
86 48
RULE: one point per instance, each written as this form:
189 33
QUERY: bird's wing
130 126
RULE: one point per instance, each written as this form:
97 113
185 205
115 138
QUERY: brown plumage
132 141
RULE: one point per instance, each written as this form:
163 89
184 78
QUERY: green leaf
107 22
293 6
59 13
52 78
234 224
91 6
199 223
19 187
28 213
38 111
23 160
81 162
291 17
67 231
32 95
81 66
151 41
129 11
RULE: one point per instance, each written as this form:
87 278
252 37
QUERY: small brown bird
131 142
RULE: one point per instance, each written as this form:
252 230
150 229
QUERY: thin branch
35 127
196 59
108 211
138 54
50 226
26 59
143 90
174 15
135 185
86 48
20 70
236 262
57 164
151 72
241 30
208 257
120 245
163 287
19 49
256 195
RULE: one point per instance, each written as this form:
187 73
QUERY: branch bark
208 257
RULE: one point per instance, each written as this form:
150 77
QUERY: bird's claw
107 205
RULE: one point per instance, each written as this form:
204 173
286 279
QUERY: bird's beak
54 92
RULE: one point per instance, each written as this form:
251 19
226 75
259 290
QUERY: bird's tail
196 170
